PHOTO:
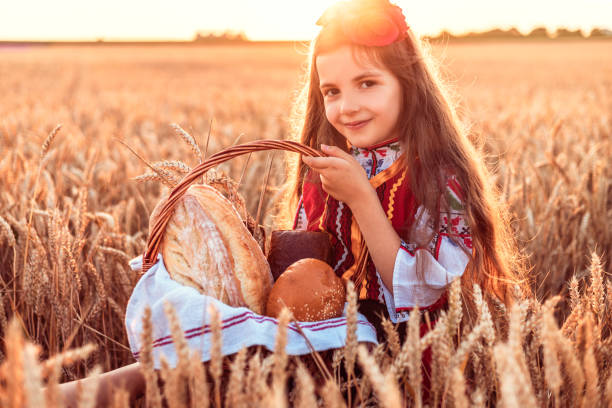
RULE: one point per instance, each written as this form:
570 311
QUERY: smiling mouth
356 124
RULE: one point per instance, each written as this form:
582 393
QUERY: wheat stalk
460 399
193 145
305 388
608 390
121 398
256 381
88 390
152 391
198 383
384 386
44 149
216 356
174 165
591 373
455 309
332 397
393 341
279 373
552 371
66 358
235 396
180 377
7 232
596 288
350 350
149 177
48 141
32 377
165 176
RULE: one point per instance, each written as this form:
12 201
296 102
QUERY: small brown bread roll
310 289
287 247
206 246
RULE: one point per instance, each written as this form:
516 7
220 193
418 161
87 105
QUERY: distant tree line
513 33
224 37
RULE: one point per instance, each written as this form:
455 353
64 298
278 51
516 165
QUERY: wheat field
72 215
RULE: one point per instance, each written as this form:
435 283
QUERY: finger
320 163
335 151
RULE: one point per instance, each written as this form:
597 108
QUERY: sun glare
274 19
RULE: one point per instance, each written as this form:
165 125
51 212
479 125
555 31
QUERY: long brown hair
435 142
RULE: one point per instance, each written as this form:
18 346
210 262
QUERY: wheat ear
552 371
199 390
235 396
385 386
393 341
165 176
332 397
191 142
47 143
591 395
279 374
460 399
43 152
152 392
32 376
180 375
350 350
305 388
89 389
216 356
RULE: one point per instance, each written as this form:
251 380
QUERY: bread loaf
206 246
310 289
289 246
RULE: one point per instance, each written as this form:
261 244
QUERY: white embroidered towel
240 326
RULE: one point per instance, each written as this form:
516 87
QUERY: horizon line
227 34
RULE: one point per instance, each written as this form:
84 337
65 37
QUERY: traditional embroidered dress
421 274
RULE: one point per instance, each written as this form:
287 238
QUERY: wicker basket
157 232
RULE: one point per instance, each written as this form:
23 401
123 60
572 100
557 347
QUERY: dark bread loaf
287 247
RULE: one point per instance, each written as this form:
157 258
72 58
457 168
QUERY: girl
401 177
403 193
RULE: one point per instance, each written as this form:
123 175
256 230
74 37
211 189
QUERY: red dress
444 258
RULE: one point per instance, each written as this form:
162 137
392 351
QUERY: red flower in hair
367 22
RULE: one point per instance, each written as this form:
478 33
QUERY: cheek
331 112
392 106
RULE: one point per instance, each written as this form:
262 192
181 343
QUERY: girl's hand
342 176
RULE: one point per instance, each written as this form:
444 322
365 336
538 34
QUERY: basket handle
157 232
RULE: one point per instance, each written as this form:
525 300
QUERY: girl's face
362 99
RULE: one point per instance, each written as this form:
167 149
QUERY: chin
362 142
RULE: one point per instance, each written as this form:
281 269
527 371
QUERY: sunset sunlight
305 203
274 19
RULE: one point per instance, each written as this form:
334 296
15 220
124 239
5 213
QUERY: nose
349 105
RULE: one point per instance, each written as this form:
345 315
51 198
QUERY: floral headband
367 22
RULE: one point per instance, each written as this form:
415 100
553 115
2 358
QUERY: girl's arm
344 179
380 236
129 378
411 275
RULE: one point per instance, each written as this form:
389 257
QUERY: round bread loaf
206 246
310 289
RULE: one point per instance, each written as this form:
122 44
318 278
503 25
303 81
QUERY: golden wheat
71 218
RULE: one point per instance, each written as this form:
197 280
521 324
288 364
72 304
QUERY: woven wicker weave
157 231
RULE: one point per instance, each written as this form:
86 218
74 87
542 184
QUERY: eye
330 92
367 84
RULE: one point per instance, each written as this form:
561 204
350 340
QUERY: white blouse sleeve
421 274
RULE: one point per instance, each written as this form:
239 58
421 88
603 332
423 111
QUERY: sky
274 19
